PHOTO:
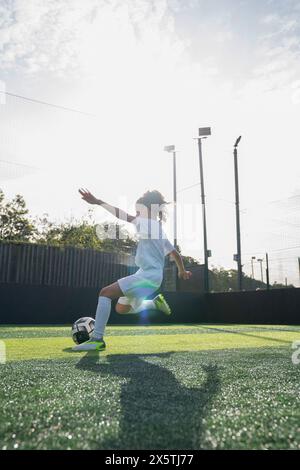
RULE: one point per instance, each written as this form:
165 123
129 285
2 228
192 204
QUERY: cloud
54 35
37 34
278 52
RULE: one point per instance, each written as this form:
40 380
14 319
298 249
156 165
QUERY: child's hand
88 197
185 275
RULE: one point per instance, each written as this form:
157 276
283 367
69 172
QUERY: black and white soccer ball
82 329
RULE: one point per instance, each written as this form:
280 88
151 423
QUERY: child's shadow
157 411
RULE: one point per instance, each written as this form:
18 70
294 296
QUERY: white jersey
153 244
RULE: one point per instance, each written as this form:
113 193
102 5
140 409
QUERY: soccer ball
82 329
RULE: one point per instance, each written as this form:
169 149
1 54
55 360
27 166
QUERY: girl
153 246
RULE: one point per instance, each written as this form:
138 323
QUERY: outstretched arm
182 273
91 199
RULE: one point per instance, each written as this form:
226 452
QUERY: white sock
102 316
145 305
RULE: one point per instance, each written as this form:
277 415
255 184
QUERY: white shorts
139 286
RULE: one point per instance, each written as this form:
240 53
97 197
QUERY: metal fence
61 266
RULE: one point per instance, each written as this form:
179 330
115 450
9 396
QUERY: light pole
252 266
238 257
268 271
171 149
202 134
261 269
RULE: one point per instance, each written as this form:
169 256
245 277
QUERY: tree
85 233
278 285
190 261
15 224
223 280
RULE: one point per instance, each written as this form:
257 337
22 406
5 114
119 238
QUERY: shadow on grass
157 411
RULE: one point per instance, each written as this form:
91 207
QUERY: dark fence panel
280 306
195 283
30 264
21 304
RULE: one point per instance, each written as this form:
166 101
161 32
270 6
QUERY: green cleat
161 304
91 345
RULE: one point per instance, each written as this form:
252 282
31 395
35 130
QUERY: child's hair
154 202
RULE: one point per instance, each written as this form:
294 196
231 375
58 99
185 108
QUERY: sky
149 74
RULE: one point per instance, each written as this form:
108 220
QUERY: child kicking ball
153 246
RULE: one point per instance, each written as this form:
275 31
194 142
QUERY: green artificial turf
155 387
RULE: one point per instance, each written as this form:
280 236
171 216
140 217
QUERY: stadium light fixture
237 141
169 148
204 131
